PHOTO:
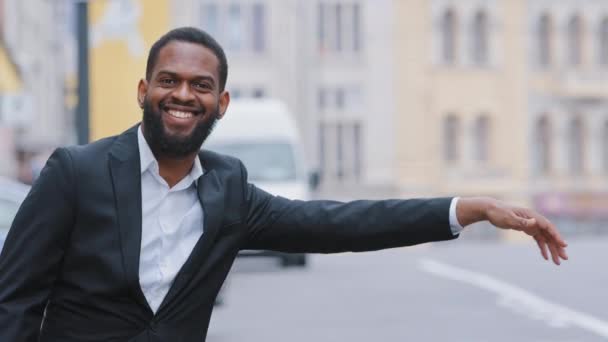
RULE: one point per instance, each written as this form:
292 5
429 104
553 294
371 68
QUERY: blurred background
392 98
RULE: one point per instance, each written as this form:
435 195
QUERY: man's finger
542 245
554 252
550 229
562 253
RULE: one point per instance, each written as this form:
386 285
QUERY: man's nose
183 92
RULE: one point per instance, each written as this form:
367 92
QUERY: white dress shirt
454 224
172 223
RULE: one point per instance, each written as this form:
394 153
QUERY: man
130 238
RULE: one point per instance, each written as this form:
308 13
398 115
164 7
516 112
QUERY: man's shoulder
218 161
93 149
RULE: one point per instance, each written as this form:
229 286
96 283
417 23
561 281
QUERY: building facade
567 54
331 62
462 107
507 99
37 35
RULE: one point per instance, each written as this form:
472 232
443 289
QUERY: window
1 18
258 29
340 98
210 19
543 145
482 138
448 37
480 39
576 146
603 42
545 37
235 29
604 148
268 161
339 27
322 98
340 150
322 149
338 24
321 26
357 150
451 138
575 41
356 27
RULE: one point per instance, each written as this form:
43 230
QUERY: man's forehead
180 56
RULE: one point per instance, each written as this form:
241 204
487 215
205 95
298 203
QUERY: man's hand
502 215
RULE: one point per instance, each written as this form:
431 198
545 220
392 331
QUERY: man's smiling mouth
180 114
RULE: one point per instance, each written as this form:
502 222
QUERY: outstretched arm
506 216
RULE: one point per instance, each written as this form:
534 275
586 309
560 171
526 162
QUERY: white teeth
181 115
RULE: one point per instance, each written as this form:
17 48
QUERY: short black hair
189 35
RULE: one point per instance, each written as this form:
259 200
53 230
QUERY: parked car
12 193
263 134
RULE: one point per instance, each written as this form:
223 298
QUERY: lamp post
82 37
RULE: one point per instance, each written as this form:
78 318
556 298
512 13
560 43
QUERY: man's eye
167 81
202 85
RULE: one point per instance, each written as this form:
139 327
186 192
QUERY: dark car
12 193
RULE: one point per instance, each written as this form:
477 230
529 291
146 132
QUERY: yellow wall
115 71
9 78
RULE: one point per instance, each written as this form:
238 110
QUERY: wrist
473 209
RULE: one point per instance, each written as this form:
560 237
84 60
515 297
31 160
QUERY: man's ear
142 88
224 101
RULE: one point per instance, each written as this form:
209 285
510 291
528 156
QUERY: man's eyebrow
175 75
166 72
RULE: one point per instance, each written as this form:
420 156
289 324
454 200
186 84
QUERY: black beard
170 146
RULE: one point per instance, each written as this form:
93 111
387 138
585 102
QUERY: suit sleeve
294 226
34 248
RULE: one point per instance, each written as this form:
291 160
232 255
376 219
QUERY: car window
265 161
8 210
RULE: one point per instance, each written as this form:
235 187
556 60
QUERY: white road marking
518 299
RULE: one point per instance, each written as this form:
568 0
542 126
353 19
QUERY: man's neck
174 170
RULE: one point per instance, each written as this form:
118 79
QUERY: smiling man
131 237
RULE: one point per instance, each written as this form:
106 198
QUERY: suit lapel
126 180
211 196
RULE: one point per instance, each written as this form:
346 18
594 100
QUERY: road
463 290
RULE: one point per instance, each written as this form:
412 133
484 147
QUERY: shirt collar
147 159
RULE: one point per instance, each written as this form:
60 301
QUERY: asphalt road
460 290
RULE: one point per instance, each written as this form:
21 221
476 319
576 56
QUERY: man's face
182 100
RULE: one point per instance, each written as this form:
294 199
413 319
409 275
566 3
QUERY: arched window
448 36
451 138
480 37
481 132
576 146
543 145
575 40
545 38
603 42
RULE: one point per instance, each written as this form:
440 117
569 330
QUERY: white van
263 134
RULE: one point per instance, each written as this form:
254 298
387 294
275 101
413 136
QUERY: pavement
462 290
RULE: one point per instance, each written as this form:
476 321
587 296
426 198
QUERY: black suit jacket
69 267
